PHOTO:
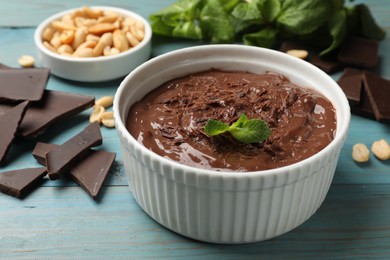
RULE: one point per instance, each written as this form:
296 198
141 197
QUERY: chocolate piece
378 92
351 83
18 183
23 84
9 124
53 107
65 156
90 172
364 107
328 64
4 67
359 52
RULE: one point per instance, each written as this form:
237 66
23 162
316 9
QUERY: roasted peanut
132 40
92 13
381 149
83 52
360 153
79 37
83 29
65 48
120 41
100 28
108 119
105 40
67 36
48 34
96 114
26 61
302 54
108 51
105 101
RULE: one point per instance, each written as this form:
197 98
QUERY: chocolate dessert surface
170 120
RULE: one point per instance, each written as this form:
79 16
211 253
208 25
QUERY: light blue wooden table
59 220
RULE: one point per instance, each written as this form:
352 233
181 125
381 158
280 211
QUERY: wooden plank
25 13
53 222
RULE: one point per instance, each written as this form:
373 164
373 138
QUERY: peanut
65 48
108 119
108 51
100 28
105 40
105 101
360 153
302 54
83 52
26 61
96 114
132 40
381 149
120 41
83 29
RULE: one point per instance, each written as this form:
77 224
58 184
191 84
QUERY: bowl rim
340 133
39 30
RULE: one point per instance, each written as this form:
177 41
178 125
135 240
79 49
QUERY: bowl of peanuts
92 44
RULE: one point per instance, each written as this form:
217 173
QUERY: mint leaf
215 127
263 38
244 130
304 16
179 19
216 23
337 25
271 10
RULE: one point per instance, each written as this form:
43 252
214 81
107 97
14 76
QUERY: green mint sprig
244 130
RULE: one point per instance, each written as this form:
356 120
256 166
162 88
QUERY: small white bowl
227 207
97 68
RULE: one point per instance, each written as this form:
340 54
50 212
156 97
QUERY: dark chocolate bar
351 83
63 157
23 84
9 125
54 106
90 172
18 183
378 92
360 52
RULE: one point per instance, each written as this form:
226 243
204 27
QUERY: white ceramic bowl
97 68
226 207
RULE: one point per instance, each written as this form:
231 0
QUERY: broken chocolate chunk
63 157
378 92
54 106
90 172
328 64
351 83
360 52
18 183
23 84
9 124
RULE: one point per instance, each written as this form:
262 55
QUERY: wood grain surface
60 221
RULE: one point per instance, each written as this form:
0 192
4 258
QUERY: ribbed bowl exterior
227 207
224 209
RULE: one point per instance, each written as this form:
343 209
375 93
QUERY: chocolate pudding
170 120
